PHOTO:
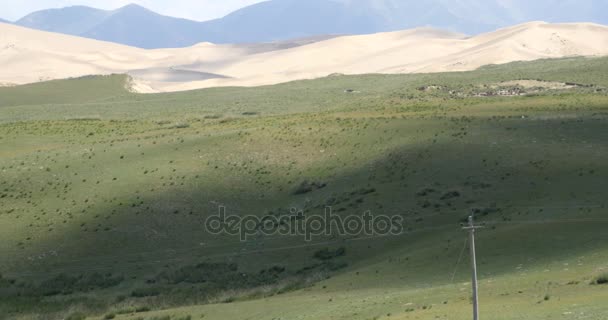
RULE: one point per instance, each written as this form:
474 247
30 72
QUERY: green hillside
105 193
82 90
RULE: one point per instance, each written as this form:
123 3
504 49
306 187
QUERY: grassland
104 195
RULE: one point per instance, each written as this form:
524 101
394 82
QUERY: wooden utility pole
471 227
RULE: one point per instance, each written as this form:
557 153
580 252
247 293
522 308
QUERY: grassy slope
78 90
126 189
308 96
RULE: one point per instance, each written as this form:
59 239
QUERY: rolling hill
284 19
114 158
105 194
209 65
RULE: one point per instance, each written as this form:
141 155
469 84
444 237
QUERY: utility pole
471 227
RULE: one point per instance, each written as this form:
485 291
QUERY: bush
98 281
326 254
306 187
142 309
601 279
145 292
76 316
334 266
5 283
425 192
200 273
64 284
450 195
125 311
109 316
180 126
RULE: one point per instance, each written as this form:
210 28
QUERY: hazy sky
191 9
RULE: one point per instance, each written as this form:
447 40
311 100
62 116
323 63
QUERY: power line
544 221
232 254
242 253
459 258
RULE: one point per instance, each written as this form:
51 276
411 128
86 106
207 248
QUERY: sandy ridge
28 55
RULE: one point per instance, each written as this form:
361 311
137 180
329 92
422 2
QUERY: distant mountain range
131 25
283 19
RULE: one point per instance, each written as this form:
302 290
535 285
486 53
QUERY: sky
200 10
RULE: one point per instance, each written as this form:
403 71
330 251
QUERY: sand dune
29 55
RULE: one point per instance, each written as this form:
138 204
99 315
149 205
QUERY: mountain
131 25
284 19
281 19
558 10
137 26
69 20
4 21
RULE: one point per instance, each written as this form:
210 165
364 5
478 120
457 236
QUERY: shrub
125 311
180 126
98 281
425 192
326 254
601 279
306 187
142 309
5 283
145 292
76 316
450 195
335 266
62 284
109 316
200 273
